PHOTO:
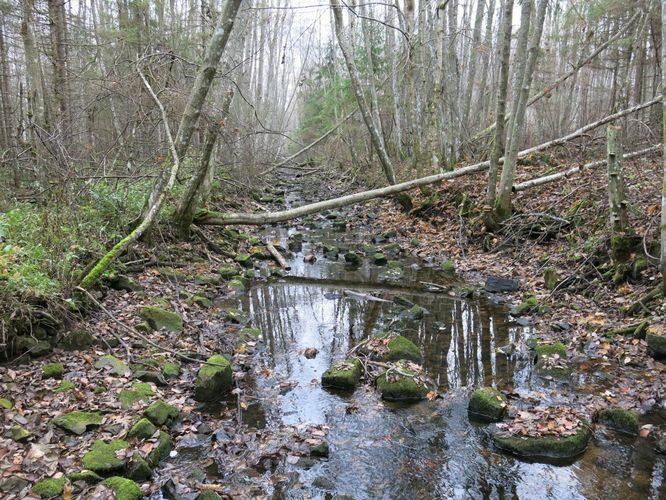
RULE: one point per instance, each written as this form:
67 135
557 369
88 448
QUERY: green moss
87 476
125 489
102 458
213 381
235 316
170 370
343 375
53 370
621 420
161 413
143 429
237 285
5 404
487 403
352 258
77 340
158 318
161 449
545 447
77 422
370 249
321 450
399 348
115 365
415 242
141 391
556 372
550 278
65 386
527 306
248 334
208 495
138 469
244 260
227 272
657 344
417 312
448 266
542 349
380 259
201 301
19 433
48 488
405 388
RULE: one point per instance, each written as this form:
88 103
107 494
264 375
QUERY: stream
430 449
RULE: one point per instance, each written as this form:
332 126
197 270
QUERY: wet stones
545 447
552 360
496 284
391 347
404 381
213 381
487 404
379 259
621 420
344 375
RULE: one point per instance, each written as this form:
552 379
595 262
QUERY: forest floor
582 310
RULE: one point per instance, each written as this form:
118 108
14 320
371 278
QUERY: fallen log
276 255
522 186
205 217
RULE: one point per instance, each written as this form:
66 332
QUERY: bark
503 204
663 185
203 81
220 219
473 58
58 29
375 136
619 219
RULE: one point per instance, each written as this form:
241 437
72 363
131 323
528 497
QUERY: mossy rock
161 413
208 495
417 312
19 434
152 376
380 259
53 370
544 369
115 365
40 349
123 283
161 449
170 369
621 420
487 404
125 489
322 450
200 300
49 488
344 375
77 340
249 334
403 388
140 391
528 305
213 381
173 275
235 316
86 476
6 404
369 249
138 469
143 429
415 242
208 279
395 265
158 318
352 258
550 278
237 285
545 447
249 274
227 272
544 349
393 347
65 386
244 260
102 458
448 267
656 344
78 422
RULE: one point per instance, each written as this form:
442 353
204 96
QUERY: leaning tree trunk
375 136
202 84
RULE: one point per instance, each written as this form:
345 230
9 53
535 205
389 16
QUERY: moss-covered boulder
379 259
621 420
208 495
152 376
102 457
544 349
529 304
237 285
138 469
344 375
213 381
235 315
123 283
140 391
227 272
200 300
53 370
550 278
552 360
86 476
391 347
404 381
487 404
161 413
114 365
125 489
545 447
244 260
352 258
19 434
49 488
170 370
143 429
78 422
448 267
77 340
656 341
161 449
158 318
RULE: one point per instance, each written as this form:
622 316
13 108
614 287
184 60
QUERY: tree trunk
663 185
58 29
375 136
202 84
619 219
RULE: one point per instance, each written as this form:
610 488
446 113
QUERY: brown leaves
553 421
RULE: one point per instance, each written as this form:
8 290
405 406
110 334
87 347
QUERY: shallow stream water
429 449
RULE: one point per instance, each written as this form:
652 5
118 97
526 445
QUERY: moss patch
19 433
101 457
5 404
125 489
158 318
392 347
621 420
161 413
113 364
87 476
213 381
138 469
487 404
542 349
343 375
143 429
546 446
401 387
53 370
170 370
77 422
140 391
161 449
48 488
448 266
65 386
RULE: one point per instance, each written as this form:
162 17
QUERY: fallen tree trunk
276 255
574 170
220 219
